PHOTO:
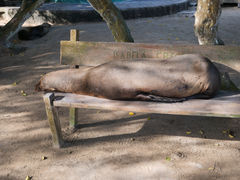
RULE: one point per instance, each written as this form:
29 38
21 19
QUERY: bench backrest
75 52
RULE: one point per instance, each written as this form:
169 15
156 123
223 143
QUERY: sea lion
169 80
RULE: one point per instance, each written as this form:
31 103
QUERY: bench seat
224 104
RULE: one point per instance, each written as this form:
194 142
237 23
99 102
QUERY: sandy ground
111 145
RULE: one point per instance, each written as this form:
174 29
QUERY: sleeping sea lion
169 80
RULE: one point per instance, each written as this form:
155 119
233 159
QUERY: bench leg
53 120
73 116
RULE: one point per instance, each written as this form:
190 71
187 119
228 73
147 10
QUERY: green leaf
168 158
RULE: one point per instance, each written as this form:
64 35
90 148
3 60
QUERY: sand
111 144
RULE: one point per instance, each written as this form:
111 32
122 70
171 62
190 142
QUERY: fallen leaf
148 118
168 158
14 84
44 157
224 131
230 136
211 168
28 178
188 132
201 132
23 93
229 132
131 113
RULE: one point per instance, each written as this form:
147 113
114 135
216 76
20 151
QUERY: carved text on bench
141 53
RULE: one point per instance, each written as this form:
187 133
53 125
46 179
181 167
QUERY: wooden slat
223 105
95 53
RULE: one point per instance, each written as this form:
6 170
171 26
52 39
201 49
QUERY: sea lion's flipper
199 96
150 97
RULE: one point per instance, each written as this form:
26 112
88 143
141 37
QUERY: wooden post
74 36
53 120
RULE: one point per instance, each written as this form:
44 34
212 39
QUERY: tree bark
113 18
206 22
12 27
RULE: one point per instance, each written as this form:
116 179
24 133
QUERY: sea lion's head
67 80
213 84
46 83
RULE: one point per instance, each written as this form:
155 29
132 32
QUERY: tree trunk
206 22
113 18
11 28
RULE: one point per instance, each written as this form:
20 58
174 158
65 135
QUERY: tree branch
113 18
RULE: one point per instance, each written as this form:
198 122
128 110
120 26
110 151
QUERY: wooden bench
76 53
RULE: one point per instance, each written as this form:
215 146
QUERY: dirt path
111 145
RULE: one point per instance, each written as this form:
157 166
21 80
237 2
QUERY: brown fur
158 80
